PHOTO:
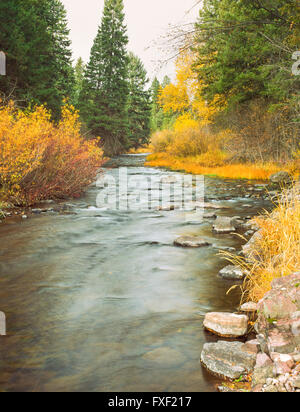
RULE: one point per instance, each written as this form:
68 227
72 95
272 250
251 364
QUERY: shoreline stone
273 357
229 360
249 307
224 225
191 242
232 272
227 325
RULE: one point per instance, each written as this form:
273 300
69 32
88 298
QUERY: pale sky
147 21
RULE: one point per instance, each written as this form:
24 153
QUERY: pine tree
139 108
105 90
26 42
34 37
166 82
159 119
79 78
63 78
155 88
90 101
243 53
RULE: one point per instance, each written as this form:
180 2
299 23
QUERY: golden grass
278 246
194 165
277 249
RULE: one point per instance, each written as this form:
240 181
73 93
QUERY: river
101 300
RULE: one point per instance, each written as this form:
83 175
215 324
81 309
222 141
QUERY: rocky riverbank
271 361
47 207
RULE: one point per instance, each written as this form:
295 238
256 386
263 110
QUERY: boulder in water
191 241
232 272
224 224
228 359
227 325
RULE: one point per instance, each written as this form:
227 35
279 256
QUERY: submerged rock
224 224
225 248
191 241
165 357
237 221
227 325
207 205
228 359
209 216
232 272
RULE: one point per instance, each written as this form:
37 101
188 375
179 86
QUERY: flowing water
101 300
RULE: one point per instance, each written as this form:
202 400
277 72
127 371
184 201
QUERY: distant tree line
242 53
111 91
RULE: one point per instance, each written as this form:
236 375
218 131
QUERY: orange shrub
40 160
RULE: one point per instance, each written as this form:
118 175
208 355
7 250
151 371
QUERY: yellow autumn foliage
41 160
184 97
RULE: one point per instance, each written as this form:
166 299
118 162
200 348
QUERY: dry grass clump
278 246
275 252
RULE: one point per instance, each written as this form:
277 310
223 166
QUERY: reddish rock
283 300
263 360
286 281
295 325
281 342
278 322
281 368
283 358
